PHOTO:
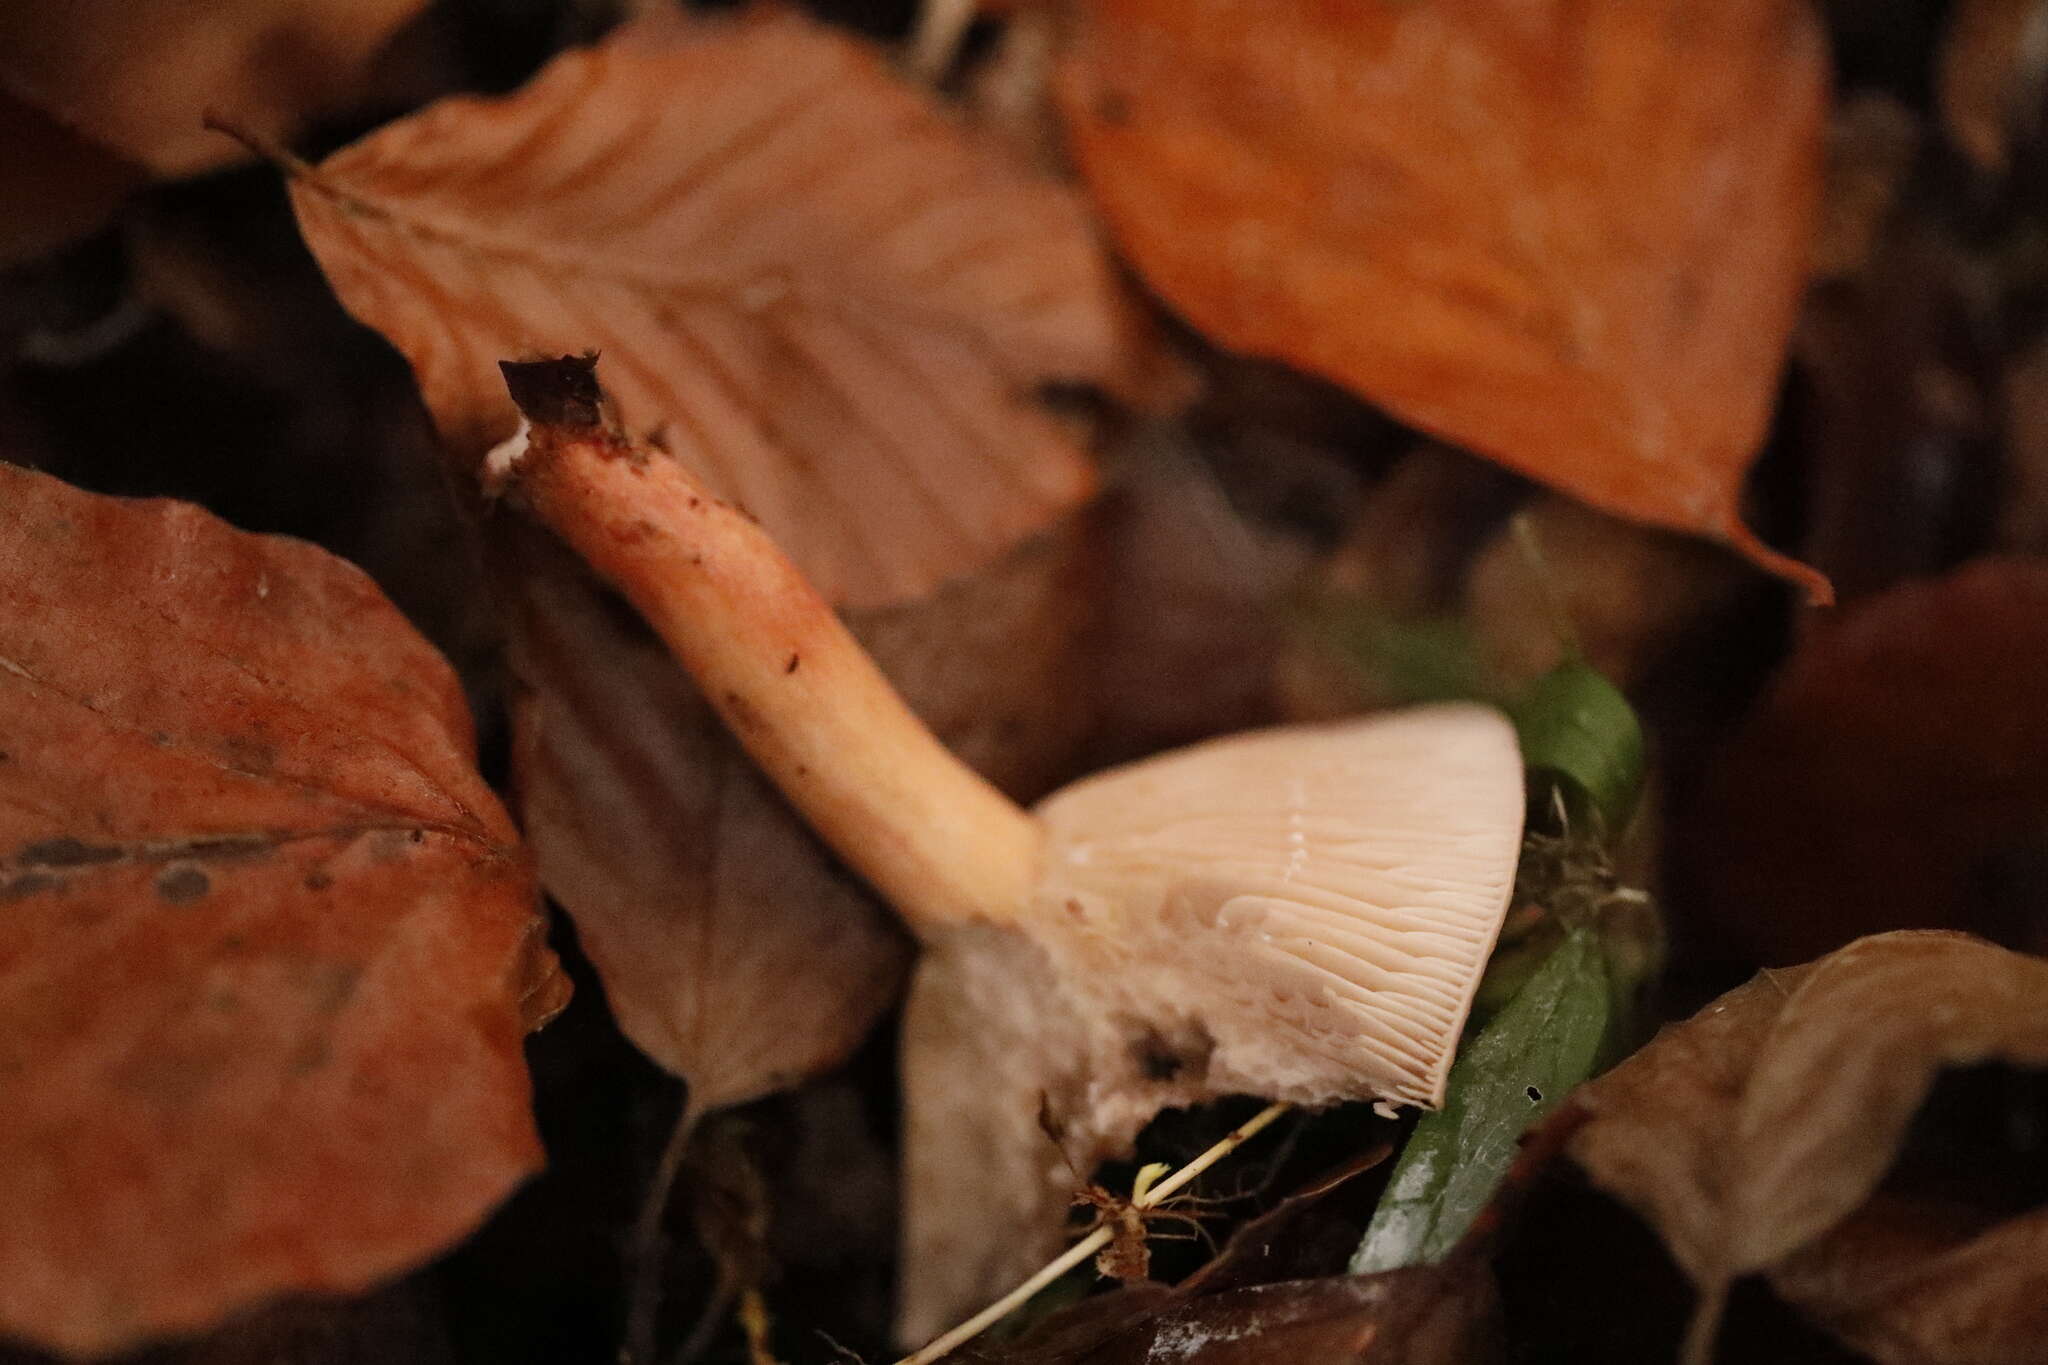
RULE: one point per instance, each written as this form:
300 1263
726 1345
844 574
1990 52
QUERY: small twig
1147 1197
643 1300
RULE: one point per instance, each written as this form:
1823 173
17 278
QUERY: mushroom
1301 914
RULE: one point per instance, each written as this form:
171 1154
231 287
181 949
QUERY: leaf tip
1819 591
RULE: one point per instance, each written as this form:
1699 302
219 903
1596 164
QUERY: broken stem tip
1144 1198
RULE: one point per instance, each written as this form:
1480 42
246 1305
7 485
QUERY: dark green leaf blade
1541 1044
1580 734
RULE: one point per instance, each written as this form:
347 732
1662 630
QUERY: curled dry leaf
734 951
1568 237
139 75
1748 1133
825 297
269 945
1895 775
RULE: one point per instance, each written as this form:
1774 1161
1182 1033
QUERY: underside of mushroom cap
1299 914
1321 900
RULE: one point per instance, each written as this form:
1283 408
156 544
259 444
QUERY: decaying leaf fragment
1750 1133
812 286
138 76
267 942
1568 237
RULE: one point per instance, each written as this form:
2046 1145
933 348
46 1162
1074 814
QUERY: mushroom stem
937 841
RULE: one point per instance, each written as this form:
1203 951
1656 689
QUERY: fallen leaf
1570 238
822 294
138 76
1748 1133
1908 1291
733 948
1993 74
1895 775
269 948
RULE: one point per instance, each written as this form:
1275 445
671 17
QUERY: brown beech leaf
1750 1132
268 946
139 75
734 950
1895 775
816 289
1568 237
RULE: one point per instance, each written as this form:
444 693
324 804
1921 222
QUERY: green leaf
1580 735
1541 1044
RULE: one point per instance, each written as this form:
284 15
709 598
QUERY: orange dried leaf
139 75
1568 237
268 948
826 298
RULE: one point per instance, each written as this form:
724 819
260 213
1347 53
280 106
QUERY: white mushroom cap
1300 914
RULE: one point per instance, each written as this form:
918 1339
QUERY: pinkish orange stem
923 828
